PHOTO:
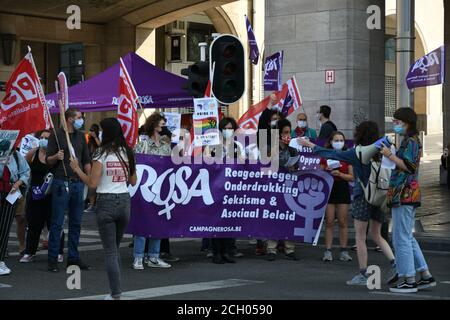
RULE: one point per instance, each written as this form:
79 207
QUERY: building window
71 59
196 33
390 48
390 97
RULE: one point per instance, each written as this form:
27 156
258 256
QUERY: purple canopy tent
156 88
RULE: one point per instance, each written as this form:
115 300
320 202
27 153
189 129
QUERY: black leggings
7 212
38 213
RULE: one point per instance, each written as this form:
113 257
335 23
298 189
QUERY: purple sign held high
226 200
273 72
428 70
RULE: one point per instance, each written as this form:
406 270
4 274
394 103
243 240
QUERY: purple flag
226 201
254 51
273 71
428 70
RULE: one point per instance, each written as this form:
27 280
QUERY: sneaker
404 287
238 254
209 255
53 267
78 263
90 209
60 258
260 251
271 257
425 284
4 270
110 297
27 258
137 264
393 277
291 256
327 256
169 257
226 257
217 260
252 242
345 256
157 263
358 280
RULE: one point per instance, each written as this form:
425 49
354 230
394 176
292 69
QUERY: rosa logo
23 89
426 62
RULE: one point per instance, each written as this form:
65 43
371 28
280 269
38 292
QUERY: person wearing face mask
224 249
155 144
39 205
366 133
404 197
67 188
327 126
267 122
285 152
14 177
302 129
339 202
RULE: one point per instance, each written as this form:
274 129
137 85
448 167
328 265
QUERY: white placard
173 124
7 140
28 142
206 122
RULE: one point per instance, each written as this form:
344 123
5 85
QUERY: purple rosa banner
273 71
238 200
428 70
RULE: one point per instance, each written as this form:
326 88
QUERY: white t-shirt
113 179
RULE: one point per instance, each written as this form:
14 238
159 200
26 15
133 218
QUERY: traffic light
228 61
198 77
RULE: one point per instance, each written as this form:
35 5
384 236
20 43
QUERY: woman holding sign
14 177
366 134
39 200
224 248
339 201
155 144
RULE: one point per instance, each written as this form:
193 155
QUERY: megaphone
366 153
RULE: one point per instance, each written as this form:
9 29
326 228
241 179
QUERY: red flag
250 119
127 108
24 107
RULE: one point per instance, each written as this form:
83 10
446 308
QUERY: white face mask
339 145
302 124
227 133
273 123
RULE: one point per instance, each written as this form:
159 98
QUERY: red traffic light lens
230 51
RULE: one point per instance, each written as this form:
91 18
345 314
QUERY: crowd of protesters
87 165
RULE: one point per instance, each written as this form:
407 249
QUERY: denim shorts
363 211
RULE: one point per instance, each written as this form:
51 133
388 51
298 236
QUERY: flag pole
47 110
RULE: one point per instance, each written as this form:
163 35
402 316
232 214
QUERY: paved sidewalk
435 211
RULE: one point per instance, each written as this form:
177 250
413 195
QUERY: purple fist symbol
311 193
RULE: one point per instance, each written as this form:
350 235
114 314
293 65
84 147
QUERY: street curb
426 241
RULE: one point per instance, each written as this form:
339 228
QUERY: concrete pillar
405 50
317 35
446 87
